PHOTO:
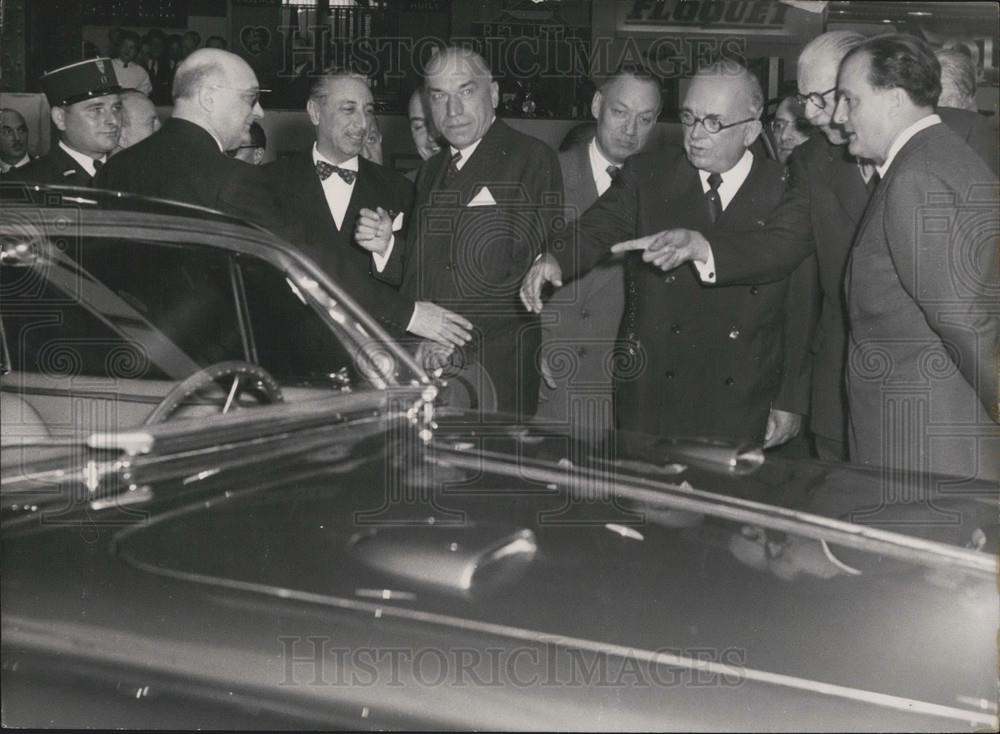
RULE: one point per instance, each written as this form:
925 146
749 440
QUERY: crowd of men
702 290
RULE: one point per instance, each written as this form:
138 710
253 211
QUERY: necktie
614 172
325 170
452 171
872 182
98 165
712 197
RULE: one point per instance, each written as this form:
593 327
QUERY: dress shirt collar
599 167
468 150
4 167
732 179
85 161
351 164
903 138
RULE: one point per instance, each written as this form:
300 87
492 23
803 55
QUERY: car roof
18 193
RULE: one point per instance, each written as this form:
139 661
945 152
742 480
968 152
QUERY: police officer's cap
83 80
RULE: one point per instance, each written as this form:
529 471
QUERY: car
230 499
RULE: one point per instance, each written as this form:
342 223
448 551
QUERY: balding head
729 94
218 91
139 119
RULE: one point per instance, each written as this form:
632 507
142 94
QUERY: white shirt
338 195
599 168
85 161
4 167
132 76
732 180
903 138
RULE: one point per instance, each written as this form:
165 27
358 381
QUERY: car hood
524 536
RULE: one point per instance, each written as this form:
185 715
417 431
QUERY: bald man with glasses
695 360
216 100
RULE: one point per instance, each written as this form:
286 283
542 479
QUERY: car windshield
113 313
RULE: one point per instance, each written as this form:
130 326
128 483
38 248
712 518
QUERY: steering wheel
240 372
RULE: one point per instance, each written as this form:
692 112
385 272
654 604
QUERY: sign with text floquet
713 16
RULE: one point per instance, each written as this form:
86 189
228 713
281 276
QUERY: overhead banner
711 16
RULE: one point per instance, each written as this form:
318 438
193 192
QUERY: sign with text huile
764 17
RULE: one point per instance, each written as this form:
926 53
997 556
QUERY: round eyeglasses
711 124
817 98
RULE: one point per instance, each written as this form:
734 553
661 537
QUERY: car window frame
359 332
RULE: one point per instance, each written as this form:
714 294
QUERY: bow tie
325 170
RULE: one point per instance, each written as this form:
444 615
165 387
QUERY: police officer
86 109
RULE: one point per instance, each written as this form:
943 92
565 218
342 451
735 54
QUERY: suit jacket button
730 382
669 374
447 266
676 328
754 290
670 278
734 334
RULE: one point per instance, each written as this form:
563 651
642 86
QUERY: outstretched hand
669 248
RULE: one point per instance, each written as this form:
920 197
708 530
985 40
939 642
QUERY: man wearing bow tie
696 360
348 214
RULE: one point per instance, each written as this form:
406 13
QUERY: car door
97 333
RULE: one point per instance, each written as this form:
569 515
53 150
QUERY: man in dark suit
921 280
697 360
217 100
580 323
482 208
160 68
819 216
86 109
957 105
348 213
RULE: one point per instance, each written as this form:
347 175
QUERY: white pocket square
483 198
397 223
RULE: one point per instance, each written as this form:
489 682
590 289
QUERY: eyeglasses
711 124
250 95
817 98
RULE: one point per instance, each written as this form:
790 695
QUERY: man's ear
206 97
58 115
896 97
753 131
595 105
495 94
312 107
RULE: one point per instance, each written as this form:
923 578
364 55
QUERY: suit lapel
585 176
314 212
743 206
64 163
482 166
365 191
846 182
